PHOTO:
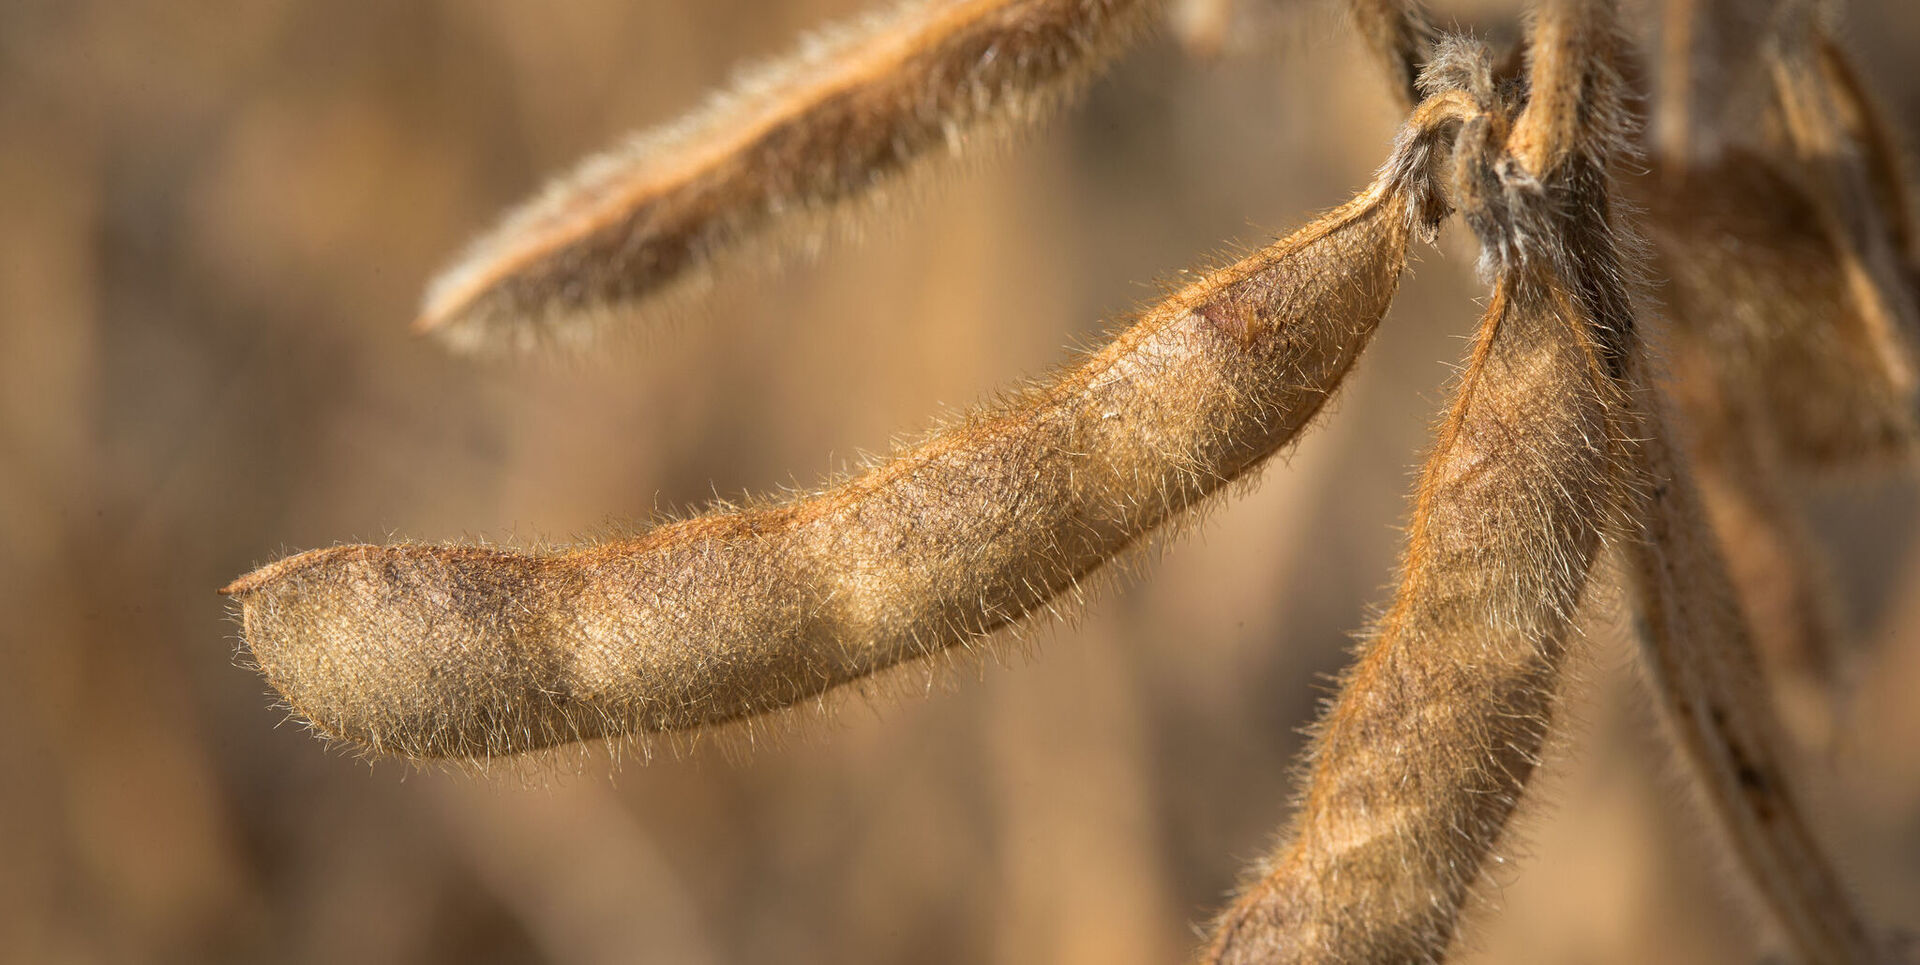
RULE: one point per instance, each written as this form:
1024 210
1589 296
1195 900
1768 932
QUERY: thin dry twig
794 147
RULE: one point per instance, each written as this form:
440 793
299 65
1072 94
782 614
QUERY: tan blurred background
215 218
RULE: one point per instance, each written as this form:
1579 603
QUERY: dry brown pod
1423 757
1782 221
470 653
1751 506
1756 275
1759 305
1864 124
1781 235
1712 690
794 149
452 651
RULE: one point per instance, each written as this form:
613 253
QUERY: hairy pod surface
453 651
1420 761
795 144
1707 674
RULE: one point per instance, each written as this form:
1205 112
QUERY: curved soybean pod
1418 765
458 651
795 146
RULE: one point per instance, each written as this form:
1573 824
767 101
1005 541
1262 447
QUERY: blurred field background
215 220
